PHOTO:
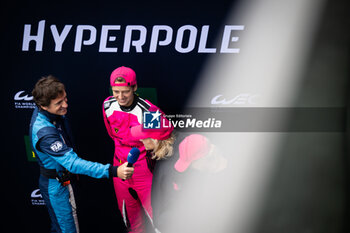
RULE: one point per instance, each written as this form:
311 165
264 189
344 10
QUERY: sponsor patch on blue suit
56 146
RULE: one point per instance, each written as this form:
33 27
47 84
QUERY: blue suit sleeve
53 145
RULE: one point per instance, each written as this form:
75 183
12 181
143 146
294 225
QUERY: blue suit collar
50 116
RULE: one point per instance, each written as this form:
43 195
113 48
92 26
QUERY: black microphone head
133 155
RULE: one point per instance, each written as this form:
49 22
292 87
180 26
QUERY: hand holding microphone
126 170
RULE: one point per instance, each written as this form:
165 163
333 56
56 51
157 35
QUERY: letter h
27 37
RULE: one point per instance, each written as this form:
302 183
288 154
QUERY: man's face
58 106
124 94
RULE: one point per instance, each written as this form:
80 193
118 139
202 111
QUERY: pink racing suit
133 195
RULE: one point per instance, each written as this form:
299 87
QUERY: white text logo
23 100
19 96
113 38
241 99
56 146
37 198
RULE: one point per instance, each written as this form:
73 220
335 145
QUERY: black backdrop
86 76
169 73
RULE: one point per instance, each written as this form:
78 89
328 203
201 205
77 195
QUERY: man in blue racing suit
52 145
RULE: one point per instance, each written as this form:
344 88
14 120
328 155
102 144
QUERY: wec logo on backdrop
240 99
113 38
37 198
22 100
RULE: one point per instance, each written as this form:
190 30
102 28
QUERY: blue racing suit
52 145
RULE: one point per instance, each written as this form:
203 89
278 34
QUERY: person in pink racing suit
122 111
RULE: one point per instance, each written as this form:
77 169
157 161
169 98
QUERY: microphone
133 156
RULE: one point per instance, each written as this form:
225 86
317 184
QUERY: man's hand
125 172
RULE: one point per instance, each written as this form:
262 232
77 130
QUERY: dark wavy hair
47 89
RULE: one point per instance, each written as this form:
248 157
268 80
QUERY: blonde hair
163 148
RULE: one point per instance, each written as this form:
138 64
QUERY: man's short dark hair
47 89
